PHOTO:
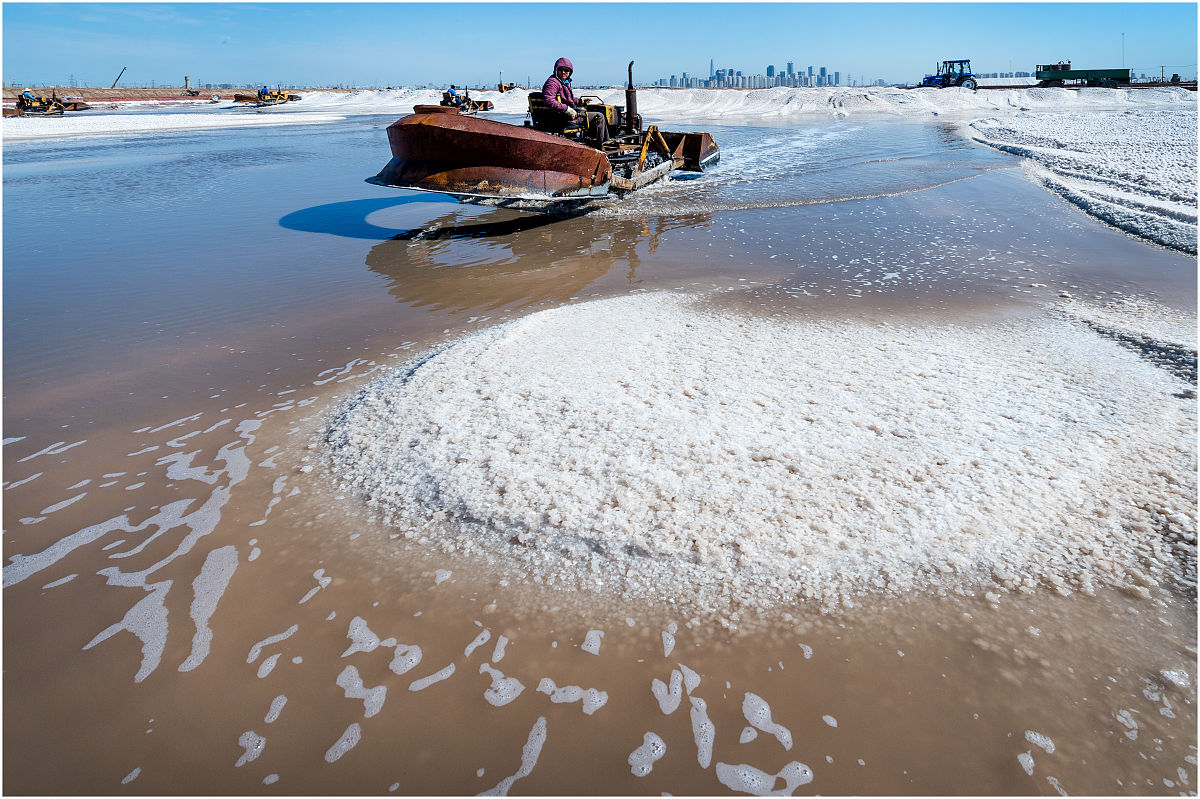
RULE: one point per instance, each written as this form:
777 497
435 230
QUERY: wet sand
187 587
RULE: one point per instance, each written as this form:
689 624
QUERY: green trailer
1061 74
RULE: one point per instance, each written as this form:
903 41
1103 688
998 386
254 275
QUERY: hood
563 62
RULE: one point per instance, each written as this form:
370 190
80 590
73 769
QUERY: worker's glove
571 112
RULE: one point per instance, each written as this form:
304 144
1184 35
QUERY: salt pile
675 451
1135 169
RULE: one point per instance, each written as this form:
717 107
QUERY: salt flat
935 425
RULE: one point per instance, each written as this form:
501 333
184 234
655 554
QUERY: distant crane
118 77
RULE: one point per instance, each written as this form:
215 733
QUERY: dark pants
592 123
596 126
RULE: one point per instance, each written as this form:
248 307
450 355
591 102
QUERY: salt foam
503 689
698 453
642 759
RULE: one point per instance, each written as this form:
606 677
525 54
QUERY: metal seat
544 118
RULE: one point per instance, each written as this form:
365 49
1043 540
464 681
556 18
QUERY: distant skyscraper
790 71
770 70
711 73
837 79
810 72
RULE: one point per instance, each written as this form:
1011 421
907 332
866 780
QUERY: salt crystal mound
1134 169
697 452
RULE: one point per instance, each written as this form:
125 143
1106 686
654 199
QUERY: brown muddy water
195 604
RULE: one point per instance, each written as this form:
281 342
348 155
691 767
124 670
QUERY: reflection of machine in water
508 260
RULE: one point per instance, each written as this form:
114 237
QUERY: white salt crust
645 446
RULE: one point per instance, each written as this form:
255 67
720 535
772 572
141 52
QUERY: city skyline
340 44
730 78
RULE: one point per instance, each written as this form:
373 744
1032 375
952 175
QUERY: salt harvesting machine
480 160
44 107
276 97
465 104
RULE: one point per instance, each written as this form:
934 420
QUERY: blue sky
395 44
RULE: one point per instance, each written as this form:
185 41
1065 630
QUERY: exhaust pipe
633 123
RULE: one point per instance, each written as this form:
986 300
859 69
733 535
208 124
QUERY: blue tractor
953 73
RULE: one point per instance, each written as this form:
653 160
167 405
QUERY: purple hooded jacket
558 95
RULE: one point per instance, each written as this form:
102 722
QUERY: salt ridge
691 104
1134 169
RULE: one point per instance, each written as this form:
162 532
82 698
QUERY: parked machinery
44 106
464 103
1061 74
276 97
953 73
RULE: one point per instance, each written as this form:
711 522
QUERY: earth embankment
162 93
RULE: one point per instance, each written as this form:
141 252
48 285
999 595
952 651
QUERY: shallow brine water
197 602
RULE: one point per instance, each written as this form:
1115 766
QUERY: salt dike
677 104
